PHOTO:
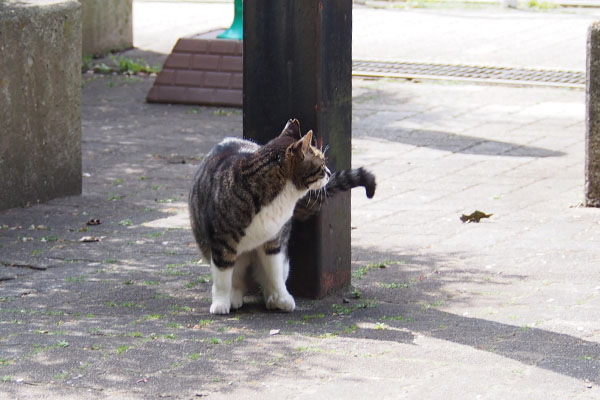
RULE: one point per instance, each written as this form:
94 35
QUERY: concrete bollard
40 100
592 118
107 26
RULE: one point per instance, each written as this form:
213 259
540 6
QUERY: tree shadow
455 143
443 140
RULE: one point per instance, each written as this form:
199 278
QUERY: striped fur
340 181
241 206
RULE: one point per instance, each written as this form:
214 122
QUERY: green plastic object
236 31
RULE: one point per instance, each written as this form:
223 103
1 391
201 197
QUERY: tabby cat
241 207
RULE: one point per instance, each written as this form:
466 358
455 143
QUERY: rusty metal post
298 64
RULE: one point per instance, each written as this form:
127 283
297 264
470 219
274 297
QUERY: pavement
439 309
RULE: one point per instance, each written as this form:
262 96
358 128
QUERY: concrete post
107 26
40 100
298 64
592 118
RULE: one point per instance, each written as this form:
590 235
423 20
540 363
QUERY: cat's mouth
322 182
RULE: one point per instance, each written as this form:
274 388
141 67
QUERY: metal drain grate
497 75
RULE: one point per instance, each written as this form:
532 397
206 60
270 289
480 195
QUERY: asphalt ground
438 308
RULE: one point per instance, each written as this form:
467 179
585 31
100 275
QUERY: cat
241 205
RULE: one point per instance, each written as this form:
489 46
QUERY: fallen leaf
475 216
274 332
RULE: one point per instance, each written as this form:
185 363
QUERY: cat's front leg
221 289
271 272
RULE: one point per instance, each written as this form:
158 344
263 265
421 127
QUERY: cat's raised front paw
283 301
219 307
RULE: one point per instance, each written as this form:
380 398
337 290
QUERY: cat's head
305 162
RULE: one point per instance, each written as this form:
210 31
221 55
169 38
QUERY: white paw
237 298
283 301
220 307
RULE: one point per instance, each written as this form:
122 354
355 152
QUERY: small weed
6 378
129 304
274 360
125 222
95 346
204 322
194 356
227 112
356 294
4 361
586 358
61 376
194 111
154 235
201 279
362 271
122 349
176 308
380 326
72 279
394 285
62 343
344 310
86 63
169 336
239 338
128 282
313 316
436 303
541 5
110 261
111 304
394 318
130 67
157 187
174 325
135 334
116 197
350 329
167 201
118 182
215 340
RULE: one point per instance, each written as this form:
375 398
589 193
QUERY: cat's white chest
270 219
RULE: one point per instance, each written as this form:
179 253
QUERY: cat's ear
306 141
300 148
292 129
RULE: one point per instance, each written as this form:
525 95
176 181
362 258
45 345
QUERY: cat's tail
339 181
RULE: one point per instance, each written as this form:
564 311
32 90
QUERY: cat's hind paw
237 299
220 307
282 301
